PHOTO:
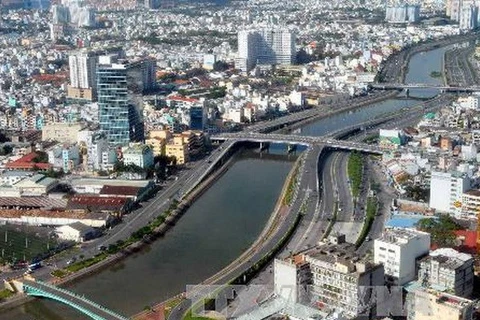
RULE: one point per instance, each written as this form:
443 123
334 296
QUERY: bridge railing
78 297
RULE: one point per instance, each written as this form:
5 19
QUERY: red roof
26 163
120 190
469 238
182 99
94 200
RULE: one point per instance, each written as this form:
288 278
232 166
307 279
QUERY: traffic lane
344 191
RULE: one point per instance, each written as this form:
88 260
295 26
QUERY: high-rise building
82 66
83 77
265 46
120 84
398 250
403 14
468 19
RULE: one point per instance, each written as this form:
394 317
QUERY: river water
221 224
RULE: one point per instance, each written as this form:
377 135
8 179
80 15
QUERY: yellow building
157 144
157 139
162 134
433 305
179 151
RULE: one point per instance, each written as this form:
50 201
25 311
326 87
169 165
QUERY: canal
221 224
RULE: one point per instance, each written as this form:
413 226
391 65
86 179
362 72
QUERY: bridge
401 86
301 140
80 303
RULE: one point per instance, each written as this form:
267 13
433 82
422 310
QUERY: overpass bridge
300 140
402 86
80 303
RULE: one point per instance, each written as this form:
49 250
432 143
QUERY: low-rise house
76 231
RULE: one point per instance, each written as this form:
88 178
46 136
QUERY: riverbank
382 96
279 211
132 248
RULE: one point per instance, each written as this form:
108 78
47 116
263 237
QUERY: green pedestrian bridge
78 302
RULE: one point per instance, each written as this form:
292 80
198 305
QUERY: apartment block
447 270
446 191
264 46
342 280
471 203
398 250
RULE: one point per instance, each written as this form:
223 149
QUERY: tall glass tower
120 86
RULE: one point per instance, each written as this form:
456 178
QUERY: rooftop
400 236
120 190
26 163
32 202
110 182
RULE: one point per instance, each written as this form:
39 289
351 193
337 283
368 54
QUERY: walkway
82 304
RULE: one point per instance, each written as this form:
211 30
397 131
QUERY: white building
446 191
469 152
265 46
82 66
76 231
448 270
291 278
138 154
468 16
397 250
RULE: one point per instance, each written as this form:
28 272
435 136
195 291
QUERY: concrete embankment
381 97
267 231
159 231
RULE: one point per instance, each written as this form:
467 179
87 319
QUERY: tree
41 157
441 229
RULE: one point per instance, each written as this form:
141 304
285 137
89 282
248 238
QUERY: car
102 248
368 238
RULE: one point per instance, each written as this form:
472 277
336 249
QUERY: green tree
442 230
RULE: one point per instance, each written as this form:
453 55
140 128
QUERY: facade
427 304
341 279
397 250
65 157
265 46
471 203
446 191
157 140
93 144
61 132
76 231
179 151
139 154
448 270
403 14
120 86
292 278
83 72
468 15
82 66
37 185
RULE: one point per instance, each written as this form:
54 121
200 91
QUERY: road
306 195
